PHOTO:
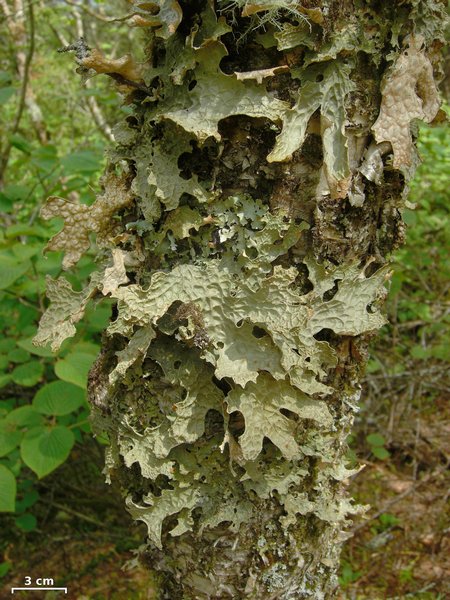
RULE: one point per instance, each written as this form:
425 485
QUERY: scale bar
39 588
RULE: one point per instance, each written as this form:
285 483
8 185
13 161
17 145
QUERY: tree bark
248 215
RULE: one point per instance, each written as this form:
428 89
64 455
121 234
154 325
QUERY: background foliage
43 410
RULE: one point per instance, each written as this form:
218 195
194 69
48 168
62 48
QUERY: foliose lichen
238 238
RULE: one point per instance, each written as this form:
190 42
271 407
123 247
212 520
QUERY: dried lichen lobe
249 207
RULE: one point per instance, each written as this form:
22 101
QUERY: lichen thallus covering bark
247 213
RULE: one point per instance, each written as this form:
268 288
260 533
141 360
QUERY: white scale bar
39 588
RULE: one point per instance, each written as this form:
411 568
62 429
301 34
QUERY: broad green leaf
7 344
21 143
6 93
85 347
24 416
7 405
44 449
29 499
4 380
375 439
27 344
45 157
74 368
83 161
4 568
18 355
11 269
25 251
16 191
9 437
380 452
23 229
58 398
26 522
28 374
8 489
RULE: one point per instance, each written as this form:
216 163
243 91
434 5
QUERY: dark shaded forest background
58 519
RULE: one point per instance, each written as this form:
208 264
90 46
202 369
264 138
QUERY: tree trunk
249 210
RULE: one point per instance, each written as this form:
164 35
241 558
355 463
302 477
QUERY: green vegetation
43 408
401 433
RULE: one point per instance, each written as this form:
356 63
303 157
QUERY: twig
397 498
7 151
13 14
75 513
98 16
26 74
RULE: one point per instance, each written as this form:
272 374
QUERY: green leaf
58 398
98 319
16 192
11 270
26 522
7 406
28 374
4 380
8 489
27 344
4 568
84 161
7 344
29 499
21 143
6 93
9 437
380 452
74 368
43 449
18 355
45 158
23 229
85 347
375 439
24 416
420 352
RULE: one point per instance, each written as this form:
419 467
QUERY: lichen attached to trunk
249 208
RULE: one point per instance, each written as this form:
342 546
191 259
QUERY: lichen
246 219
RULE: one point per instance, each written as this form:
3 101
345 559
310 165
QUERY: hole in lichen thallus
258 332
236 423
324 335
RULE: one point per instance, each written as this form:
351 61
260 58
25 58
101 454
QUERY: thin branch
5 9
15 13
93 106
59 36
23 92
98 117
77 514
98 16
412 488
